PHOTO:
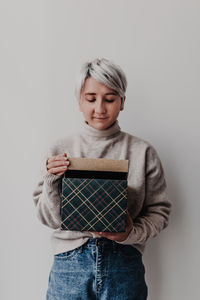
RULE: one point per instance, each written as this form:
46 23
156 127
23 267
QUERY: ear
122 103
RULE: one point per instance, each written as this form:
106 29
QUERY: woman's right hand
58 164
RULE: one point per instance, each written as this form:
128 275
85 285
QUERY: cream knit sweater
148 203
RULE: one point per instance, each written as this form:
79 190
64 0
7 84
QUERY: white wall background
43 44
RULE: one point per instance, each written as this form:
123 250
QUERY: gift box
94 195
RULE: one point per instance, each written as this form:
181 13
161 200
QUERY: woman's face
99 104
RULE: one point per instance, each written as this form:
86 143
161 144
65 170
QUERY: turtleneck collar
108 132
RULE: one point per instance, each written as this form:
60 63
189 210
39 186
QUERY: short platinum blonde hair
104 71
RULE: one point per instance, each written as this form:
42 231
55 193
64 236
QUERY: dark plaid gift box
94 195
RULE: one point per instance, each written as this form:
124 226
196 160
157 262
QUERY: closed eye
110 100
91 100
107 100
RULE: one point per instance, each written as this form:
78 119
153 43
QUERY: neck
108 132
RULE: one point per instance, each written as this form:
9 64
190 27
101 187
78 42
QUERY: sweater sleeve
47 194
154 215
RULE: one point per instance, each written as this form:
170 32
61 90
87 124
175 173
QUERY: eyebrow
112 93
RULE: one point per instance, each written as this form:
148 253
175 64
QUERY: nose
100 107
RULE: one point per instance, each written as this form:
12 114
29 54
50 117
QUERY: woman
102 265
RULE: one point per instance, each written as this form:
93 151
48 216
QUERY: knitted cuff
49 178
130 239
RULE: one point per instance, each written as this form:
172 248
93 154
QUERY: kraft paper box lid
98 164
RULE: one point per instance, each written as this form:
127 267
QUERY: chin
101 125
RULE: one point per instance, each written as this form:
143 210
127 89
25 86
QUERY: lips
100 118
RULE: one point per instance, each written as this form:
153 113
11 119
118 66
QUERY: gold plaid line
117 217
99 213
124 194
116 204
76 187
66 185
115 199
88 223
83 202
98 218
75 194
74 190
63 224
102 216
72 213
69 186
110 224
123 189
123 212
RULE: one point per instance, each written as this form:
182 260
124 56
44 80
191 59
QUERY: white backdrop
43 44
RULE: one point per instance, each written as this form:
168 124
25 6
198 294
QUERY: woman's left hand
119 236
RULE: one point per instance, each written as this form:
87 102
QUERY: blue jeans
100 269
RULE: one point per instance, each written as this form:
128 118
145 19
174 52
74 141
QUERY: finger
61 173
58 157
109 235
128 216
57 164
53 160
57 170
129 222
128 213
99 232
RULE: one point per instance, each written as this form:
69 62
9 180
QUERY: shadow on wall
161 249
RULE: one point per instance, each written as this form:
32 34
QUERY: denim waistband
101 243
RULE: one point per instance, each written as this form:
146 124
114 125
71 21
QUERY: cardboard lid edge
98 164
